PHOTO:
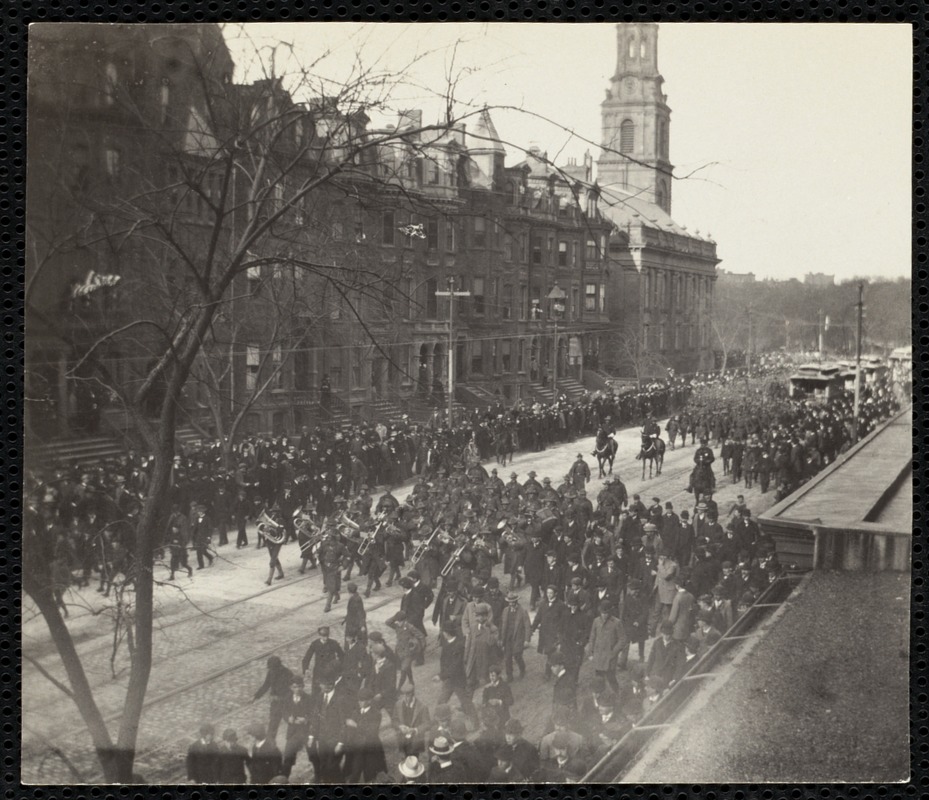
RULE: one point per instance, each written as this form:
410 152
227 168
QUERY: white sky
802 130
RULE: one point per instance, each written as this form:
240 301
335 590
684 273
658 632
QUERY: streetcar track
176 692
172 622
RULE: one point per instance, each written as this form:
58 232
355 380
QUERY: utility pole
858 357
451 294
557 299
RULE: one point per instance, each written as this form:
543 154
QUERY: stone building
660 291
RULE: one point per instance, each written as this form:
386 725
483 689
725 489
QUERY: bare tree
220 184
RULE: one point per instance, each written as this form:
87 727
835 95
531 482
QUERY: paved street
215 631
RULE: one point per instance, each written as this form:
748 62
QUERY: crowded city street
215 630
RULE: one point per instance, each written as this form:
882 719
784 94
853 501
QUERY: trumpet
421 548
270 530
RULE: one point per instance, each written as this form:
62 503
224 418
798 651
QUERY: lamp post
451 294
557 299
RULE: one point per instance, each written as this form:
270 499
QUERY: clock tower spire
636 119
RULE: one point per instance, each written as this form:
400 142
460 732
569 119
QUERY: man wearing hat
531 484
608 727
481 648
298 712
562 767
328 730
232 760
444 766
452 674
548 621
513 490
203 757
564 689
264 756
411 721
411 768
503 770
606 643
365 759
706 634
416 600
634 617
514 634
328 654
523 756
665 655
579 472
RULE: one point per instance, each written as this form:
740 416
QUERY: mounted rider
703 460
651 429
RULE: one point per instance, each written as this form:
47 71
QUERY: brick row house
343 288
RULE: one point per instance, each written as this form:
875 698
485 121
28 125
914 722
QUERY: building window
562 254
302 367
277 364
520 355
523 301
477 358
523 248
505 365
536 250
450 236
359 226
432 302
602 298
477 293
432 173
252 365
574 250
113 166
432 234
388 228
590 297
627 136
591 250
480 232
507 304
632 48
508 248
358 355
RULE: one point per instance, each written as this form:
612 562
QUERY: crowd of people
635 589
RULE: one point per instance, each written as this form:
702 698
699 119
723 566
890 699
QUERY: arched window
626 136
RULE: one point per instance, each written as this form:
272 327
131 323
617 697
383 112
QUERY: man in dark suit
328 654
365 759
287 505
233 758
382 677
264 757
202 758
297 714
201 531
665 656
416 601
564 691
327 730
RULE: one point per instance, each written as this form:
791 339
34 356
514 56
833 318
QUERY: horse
653 452
504 446
702 480
605 450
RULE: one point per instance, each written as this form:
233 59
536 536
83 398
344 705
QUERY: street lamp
557 299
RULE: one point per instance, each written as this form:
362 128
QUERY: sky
796 138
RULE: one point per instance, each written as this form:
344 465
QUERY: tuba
270 530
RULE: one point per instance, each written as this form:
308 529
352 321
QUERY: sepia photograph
467 403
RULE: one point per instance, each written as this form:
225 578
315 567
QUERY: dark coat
265 763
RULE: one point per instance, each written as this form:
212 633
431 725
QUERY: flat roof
822 697
866 484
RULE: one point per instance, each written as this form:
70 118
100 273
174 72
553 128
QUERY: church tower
636 119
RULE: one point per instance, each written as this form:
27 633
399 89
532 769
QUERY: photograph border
13 56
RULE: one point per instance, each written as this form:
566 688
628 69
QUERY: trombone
453 559
421 548
368 540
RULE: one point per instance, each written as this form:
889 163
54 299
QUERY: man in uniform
328 654
580 472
